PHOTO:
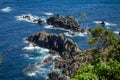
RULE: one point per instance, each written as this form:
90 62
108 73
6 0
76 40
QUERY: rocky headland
70 58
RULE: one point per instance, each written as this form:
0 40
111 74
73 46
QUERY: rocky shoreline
70 59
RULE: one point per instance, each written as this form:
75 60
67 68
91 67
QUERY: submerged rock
40 21
103 23
32 19
68 22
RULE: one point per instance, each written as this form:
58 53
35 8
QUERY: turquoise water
13 31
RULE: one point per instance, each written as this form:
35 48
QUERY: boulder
48 60
40 21
103 23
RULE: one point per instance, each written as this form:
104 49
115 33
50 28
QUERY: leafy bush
100 71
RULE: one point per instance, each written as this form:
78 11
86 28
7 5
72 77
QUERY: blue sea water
12 31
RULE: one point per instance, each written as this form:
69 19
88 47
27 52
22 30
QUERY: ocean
17 54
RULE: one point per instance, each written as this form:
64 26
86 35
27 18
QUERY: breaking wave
51 27
48 13
116 32
106 23
30 18
74 34
40 68
6 9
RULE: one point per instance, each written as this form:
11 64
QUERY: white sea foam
46 56
26 55
35 69
6 9
56 56
39 49
25 41
51 27
31 74
116 32
29 18
74 34
39 68
106 23
48 13
31 47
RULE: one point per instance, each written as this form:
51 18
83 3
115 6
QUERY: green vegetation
105 53
72 18
84 18
101 38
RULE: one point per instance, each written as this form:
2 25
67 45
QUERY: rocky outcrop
40 21
70 58
56 76
68 22
30 18
57 43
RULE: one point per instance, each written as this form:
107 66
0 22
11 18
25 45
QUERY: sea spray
30 18
6 9
48 13
105 23
39 68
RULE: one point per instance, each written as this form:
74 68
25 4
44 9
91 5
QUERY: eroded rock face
56 76
68 22
70 55
54 42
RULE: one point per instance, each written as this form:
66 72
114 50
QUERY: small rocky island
68 22
70 58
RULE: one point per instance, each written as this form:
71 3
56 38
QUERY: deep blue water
13 31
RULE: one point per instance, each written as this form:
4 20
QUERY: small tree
84 16
101 38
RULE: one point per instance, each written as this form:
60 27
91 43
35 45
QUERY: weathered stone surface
70 59
56 76
68 22
54 42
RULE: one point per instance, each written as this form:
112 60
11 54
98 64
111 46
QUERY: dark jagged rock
40 21
70 58
69 66
54 42
68 22
26 17
103 23
56 76
31 19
